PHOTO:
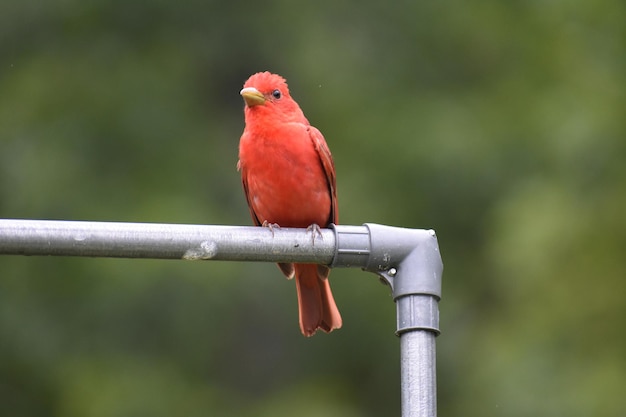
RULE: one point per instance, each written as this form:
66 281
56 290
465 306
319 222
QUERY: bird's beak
252 96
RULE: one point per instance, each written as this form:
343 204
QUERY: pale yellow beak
252 96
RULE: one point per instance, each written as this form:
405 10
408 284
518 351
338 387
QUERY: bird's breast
285 180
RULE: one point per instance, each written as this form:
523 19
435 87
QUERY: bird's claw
315 229
270 226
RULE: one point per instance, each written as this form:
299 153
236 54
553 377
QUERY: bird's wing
329 169
244 181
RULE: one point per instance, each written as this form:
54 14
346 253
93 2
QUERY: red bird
288 176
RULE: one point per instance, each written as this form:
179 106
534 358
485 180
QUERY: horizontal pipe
165 241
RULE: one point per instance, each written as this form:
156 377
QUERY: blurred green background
499 124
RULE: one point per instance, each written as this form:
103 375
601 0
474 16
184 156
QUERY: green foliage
499 124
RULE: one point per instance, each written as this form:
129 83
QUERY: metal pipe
418 374
164 241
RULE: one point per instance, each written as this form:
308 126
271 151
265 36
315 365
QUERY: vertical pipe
418 374
418 321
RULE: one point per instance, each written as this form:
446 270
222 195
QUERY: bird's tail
316 304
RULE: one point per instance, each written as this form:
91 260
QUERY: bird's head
268 94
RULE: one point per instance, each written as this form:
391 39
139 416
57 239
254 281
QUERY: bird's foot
315 229
270 226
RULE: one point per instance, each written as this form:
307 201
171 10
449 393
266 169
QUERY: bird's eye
276 94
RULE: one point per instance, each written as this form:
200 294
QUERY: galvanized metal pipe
164 241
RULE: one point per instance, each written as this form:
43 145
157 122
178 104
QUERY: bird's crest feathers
266 83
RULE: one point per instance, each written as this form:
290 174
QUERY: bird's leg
270 226
315 229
